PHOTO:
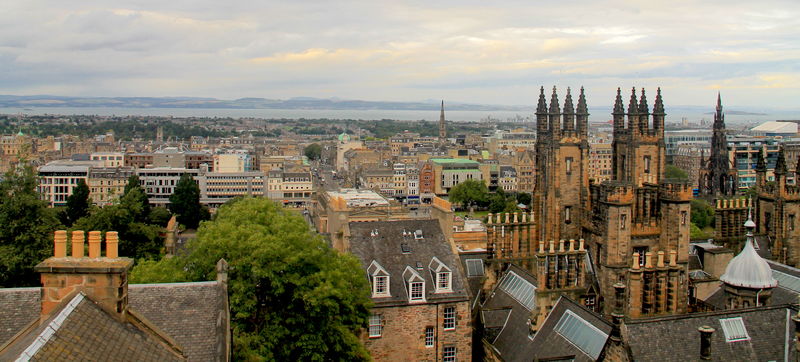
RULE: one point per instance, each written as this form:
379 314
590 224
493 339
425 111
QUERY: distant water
598 115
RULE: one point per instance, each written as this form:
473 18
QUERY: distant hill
241 103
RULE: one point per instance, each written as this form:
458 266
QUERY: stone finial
77 243
94 244
635 264
673 258
112 245
660 259
60 241
648 259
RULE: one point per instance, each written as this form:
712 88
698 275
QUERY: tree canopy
468 192
313 151
26 228
185 203
292 297
77 204
702 213
672 172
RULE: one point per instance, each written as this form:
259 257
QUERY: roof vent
419 266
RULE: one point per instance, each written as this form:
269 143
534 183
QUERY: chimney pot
112 245
541 247
60 241
94 244
636 257
661 259
571 244
648 259
705 342
673 258
561 246
580 246
489 219
77 244
516 219
552 246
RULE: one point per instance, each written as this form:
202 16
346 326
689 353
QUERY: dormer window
379 278
442 275
415 285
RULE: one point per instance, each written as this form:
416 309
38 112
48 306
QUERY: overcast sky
469 51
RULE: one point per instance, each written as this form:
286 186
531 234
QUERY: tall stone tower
561 192
639 234
717 178
442 126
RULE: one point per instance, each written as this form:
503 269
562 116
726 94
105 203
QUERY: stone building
639 232
421 303
778 208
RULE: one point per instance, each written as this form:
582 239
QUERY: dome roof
344 137
749 270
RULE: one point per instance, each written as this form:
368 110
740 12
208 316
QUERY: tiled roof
82 331
187 312
676 338
385 248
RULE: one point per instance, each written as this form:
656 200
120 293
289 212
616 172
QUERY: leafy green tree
502 202
292 297
313 151
77 204
702 213
469 192
524 198
136 199
185 203
673 172
26 228
159 216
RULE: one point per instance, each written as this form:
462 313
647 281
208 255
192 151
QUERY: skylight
787 281
519 289
734 329
474 267
581 333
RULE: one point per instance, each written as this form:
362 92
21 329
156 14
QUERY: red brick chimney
104 279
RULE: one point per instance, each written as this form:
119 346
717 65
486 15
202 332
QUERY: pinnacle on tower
633 108
554 109
568 108
542 107
643 108
619 108
761 164
719 117
582 109
442 124
780 163
719 102
658 107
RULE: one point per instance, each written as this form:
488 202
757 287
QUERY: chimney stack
103 279
705 342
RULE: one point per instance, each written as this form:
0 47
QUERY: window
520 289
581 333
569 165
375 326
623 219
430 339
474 267
642 250
683 217
568 214
734 329
443 280
449 318
646 164
381 283
417 289
449 354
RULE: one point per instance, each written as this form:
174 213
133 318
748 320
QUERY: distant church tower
717 178
561 191
442 126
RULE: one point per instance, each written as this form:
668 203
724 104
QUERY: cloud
410 50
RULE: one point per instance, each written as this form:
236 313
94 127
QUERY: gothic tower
442 126
639 235
560 197
717 178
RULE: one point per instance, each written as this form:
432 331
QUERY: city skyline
404 52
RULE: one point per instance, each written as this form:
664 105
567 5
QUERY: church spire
442 125
582 109
619 108
542 107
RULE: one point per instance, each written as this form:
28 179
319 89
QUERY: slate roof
549 344
787 291
506 321
676 338
190 313
79 330
385 248
474 283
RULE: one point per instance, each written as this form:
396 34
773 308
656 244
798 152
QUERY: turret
761 170
633 113
541 114
644 113
569 113
658 113
554 116
618 113
582 116
780 171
